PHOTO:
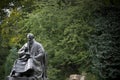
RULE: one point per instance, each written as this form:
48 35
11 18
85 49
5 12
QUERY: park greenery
79 36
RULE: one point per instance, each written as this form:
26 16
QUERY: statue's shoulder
37 43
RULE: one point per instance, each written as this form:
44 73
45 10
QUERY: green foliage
114 3
90 76
64 32
105 44
76 34
3 54
10 60
9 30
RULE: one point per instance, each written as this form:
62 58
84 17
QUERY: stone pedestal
74 77
20 78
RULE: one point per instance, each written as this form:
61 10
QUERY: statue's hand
27 55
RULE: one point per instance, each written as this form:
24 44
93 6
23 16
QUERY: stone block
20 78
74 77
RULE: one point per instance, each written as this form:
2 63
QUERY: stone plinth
20 78
74 77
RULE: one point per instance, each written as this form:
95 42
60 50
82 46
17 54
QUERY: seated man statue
31 61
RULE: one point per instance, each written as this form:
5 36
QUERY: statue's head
30 37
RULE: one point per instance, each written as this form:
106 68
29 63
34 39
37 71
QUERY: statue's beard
30 42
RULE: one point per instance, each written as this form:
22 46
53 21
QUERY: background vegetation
79 36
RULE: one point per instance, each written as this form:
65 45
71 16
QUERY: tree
10 61
64 32
105 44
78 35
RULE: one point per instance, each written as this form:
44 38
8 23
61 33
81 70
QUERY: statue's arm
40 52
21 51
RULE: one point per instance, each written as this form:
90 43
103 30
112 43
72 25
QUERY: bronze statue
31 61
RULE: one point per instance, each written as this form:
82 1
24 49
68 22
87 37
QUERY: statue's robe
36 62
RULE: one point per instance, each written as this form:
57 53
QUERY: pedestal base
20 78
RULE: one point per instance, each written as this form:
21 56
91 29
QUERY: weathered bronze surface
31 62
